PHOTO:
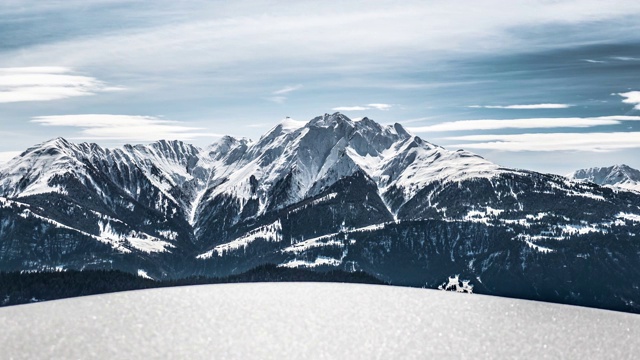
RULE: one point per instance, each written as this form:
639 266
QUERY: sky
546 85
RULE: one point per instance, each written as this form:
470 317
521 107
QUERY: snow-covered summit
311 157
619 176
304 158
31 172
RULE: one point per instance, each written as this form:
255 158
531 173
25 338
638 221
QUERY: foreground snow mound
311 321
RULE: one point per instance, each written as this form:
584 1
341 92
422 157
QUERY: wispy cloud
279 97
124 127
631 97
350 108
46 84
383 107
626 58
523 107
380 106
287 89
594 61
34 69
208 35
532 123
415 120
589 142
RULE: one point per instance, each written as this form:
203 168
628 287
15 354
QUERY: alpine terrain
331 193
617 176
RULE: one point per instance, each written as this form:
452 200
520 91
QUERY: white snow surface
312 321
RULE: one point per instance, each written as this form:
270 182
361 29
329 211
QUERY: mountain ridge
619 176
331 193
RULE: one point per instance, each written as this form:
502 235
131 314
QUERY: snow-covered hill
618 176
323 194
312 321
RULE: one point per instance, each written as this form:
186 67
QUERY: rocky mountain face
617 176
329 193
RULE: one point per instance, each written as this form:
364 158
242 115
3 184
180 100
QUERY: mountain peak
55 146
330 120
620 176
400 130
623 167
56 142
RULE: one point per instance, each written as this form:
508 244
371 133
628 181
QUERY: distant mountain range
617 176
331 193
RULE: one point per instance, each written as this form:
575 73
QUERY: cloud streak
626 58
586 142
279 95
380 106
523 107
124 127
532 123
632 97
46 84
350 108
383 107
206 35
287 89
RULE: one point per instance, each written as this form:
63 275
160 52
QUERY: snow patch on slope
482 216
319 261
321 241
141 241
270 233
627 216
143 274
116 245
539 248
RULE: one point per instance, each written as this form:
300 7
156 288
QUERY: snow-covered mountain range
617 176
328 193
